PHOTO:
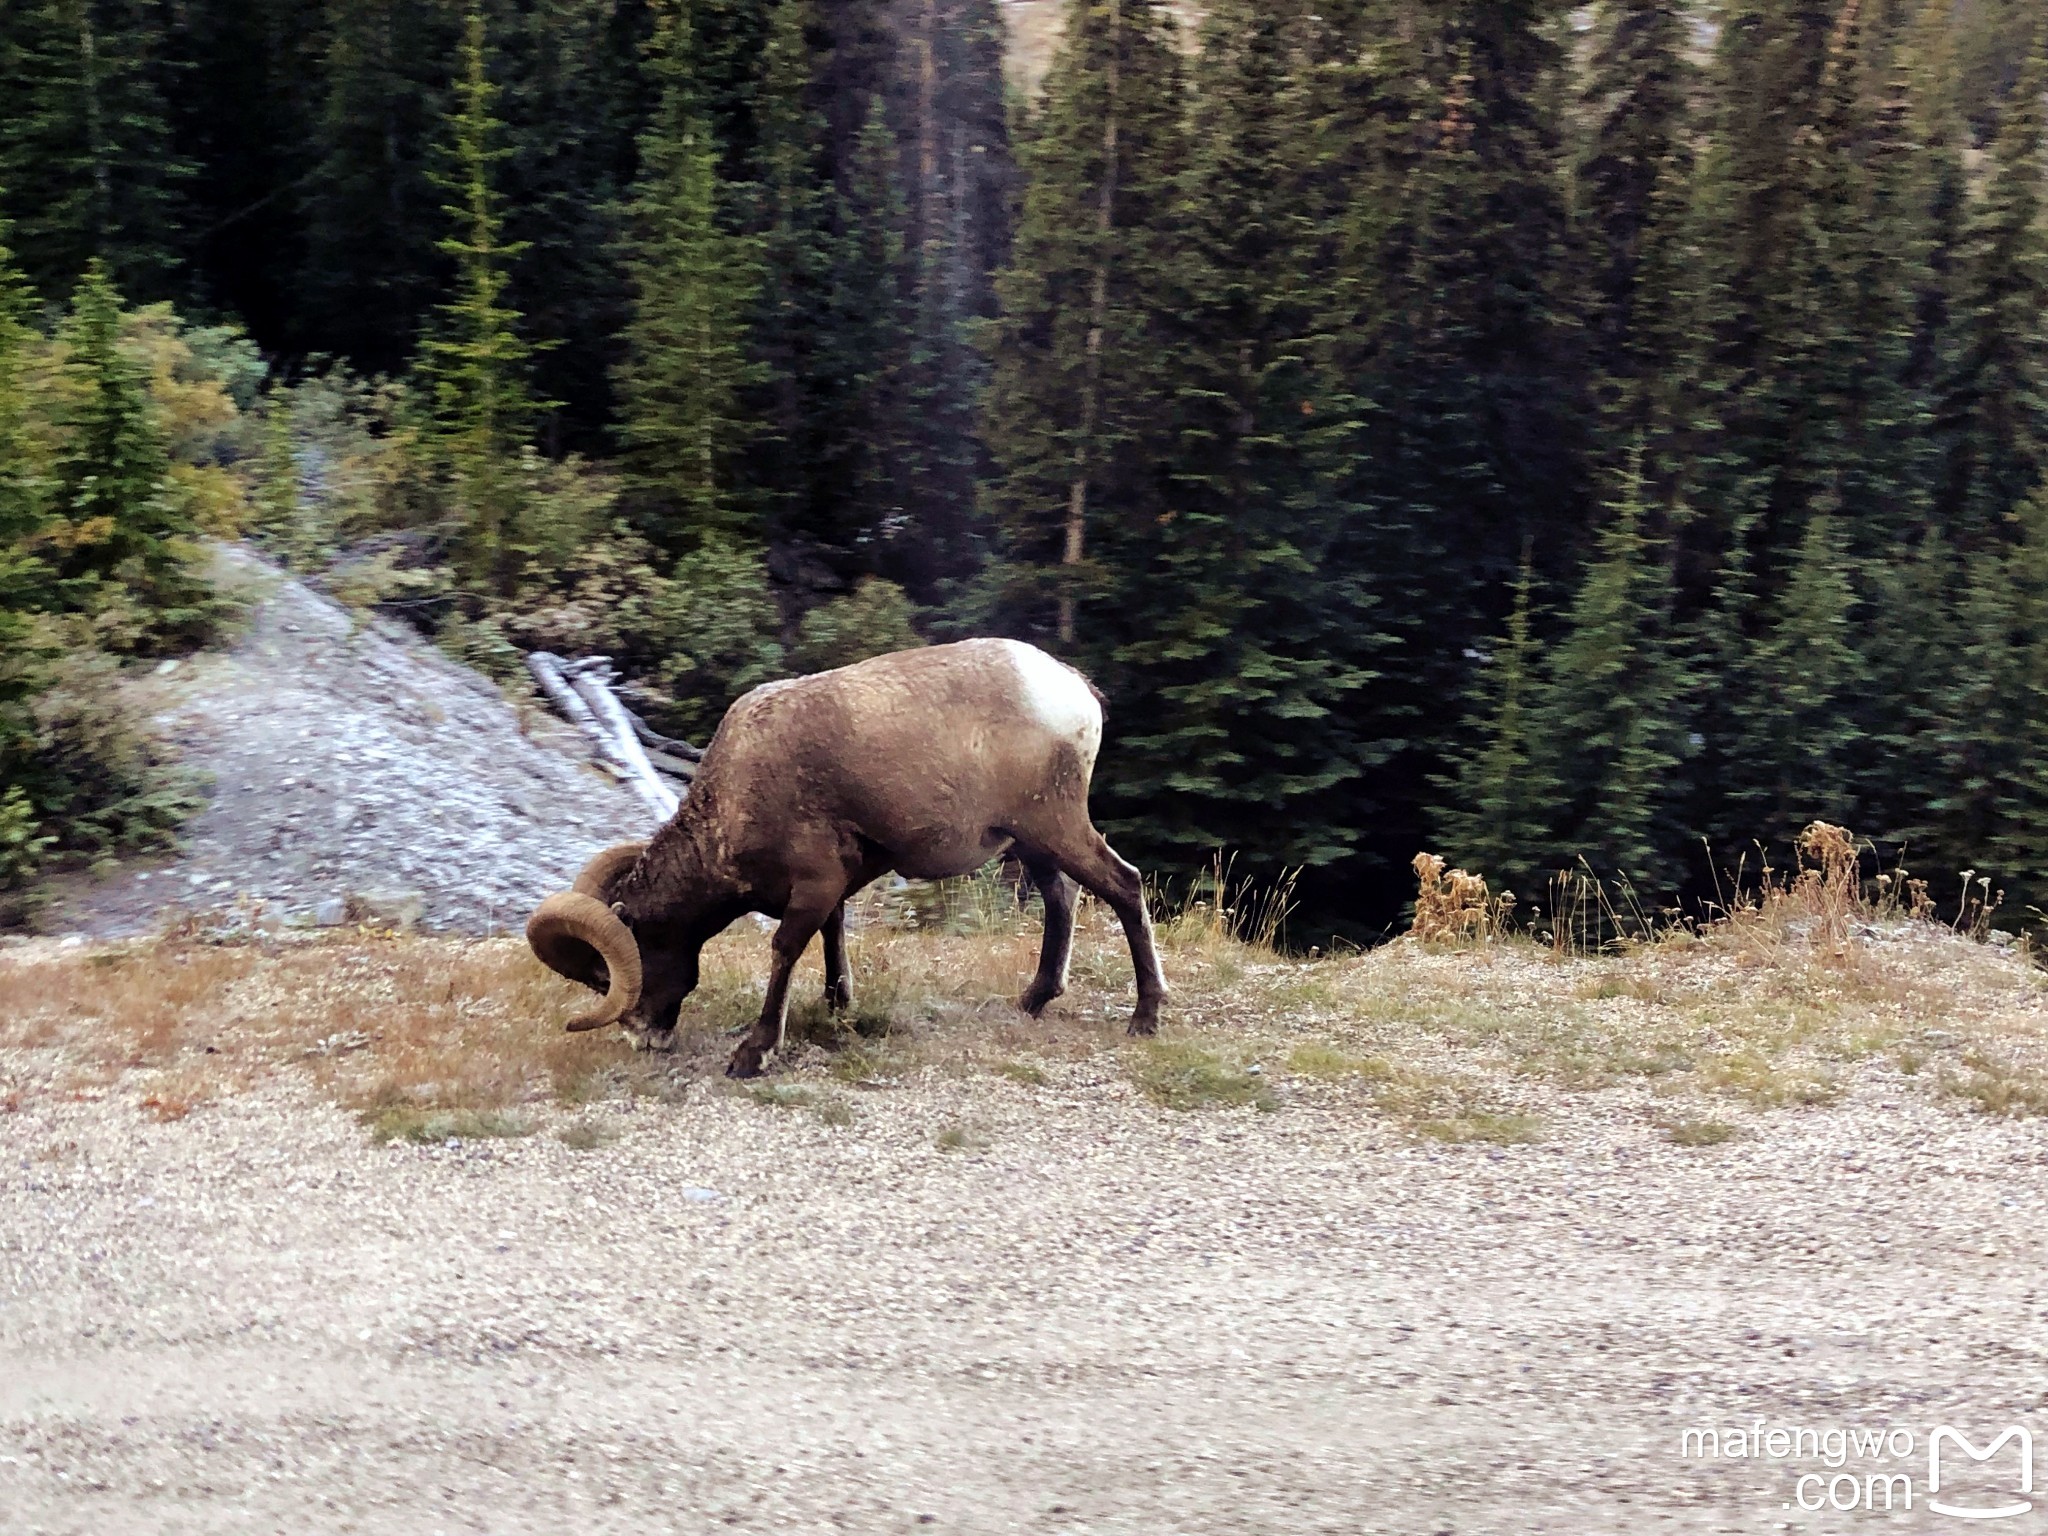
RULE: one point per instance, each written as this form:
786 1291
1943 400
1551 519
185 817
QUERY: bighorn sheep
929 763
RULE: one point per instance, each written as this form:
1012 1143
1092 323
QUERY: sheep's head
577 935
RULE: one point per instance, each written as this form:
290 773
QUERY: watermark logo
1871 1468
1944 1435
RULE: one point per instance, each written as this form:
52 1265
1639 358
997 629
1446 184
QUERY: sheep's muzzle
570 932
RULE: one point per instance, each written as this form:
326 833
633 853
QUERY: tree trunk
1098 319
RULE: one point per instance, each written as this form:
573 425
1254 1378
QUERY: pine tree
1633 187
372 208
22 495
242 115
1795 686
2019 844
694 283
1993 416
120 540
1076 403
1497 819
1764 459
946 93
1457 428
1611 721
85 153
21 488
1865 243
574 99
872 331
810 396
1223 629
476 367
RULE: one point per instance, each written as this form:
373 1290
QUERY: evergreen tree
574 98
1497 819
873 332
1456 430
806 328
1224 628
120 541
1796 737
1994 401
372 209
1076 403
946 93
693 284
242 116
2019 844
476 367
1613 709
85 154
1765 456
22 495
1633 186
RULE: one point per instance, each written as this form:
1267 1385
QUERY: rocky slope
357 773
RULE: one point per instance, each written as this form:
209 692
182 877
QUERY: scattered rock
331 913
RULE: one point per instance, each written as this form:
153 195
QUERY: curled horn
598 875
563 931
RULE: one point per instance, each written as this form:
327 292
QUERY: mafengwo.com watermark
1961 1473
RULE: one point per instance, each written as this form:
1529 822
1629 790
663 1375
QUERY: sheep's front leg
806 913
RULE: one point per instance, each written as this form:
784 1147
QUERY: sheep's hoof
744 1064
840 998
1144 1025
1038 997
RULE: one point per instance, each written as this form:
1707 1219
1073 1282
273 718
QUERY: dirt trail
354 761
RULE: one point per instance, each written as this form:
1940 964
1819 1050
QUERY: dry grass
1794 1000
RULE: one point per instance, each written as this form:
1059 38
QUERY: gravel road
1101 1317
353 768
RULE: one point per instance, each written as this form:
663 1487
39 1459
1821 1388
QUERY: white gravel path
1110 1319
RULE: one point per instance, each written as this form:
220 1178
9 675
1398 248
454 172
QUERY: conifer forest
1601 436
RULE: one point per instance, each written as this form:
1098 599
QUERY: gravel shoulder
352 767
1098 1316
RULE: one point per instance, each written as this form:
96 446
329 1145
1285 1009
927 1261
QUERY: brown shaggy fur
929 763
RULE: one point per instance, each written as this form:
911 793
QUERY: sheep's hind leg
807 912
838 979
1057 951
1084 854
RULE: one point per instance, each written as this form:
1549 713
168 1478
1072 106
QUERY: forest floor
336 1231
352 770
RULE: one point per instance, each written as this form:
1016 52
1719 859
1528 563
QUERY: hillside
353 770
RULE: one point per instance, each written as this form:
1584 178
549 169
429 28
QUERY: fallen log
582 692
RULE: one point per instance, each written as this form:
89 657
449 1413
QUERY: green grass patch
1176 1075
960 1138
1699 1133
404 1123
1483 1126
1332 1065
828 1107
1021 1072
586 1135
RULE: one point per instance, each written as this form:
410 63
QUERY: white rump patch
1058 698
